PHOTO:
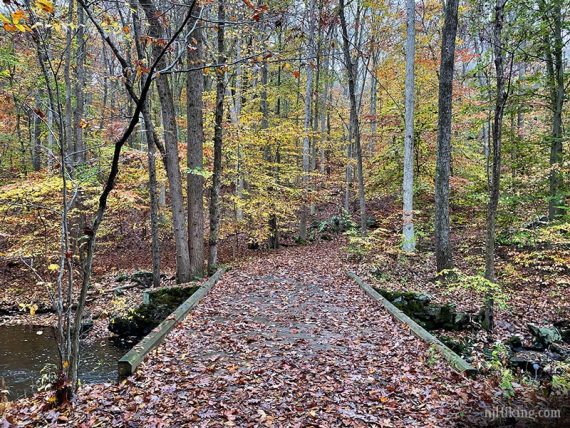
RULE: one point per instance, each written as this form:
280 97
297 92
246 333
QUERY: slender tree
409 243
218 139
500 103
311 52
444 259
551 13
195 147
79 111
354 128
151 141
170 132
37 143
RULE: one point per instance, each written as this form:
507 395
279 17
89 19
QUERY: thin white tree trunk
409 244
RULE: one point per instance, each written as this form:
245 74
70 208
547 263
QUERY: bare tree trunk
235 113
485 129
354 121
80 151
20 138
218 139
171 145
273 240
195 149
555 70
323 111
68 90
500 101
150 136
409 244
444 259
37 143
151 139
348 174
50 143
105 87
307 121
373 106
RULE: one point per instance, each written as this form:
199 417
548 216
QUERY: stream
26 350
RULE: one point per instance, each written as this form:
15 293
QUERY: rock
562 349
459 347
122 277
515 343
143 278
142 320
531 361
334 224
563 327
537 223
125 327
544 336
429 315
461 320
505 325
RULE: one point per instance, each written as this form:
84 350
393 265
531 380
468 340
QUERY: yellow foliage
46 6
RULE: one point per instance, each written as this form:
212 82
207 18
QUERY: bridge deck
289 340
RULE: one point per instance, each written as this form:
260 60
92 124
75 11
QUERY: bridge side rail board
458 363
128 364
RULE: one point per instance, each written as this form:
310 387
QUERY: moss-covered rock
530 361
563 327
460 347
142 320
429 315
514 343
544 336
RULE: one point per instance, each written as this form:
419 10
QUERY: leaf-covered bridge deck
288 340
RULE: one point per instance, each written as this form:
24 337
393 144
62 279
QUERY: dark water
24 352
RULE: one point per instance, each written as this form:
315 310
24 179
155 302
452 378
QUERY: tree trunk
37 143
373 106
151 142
235 113
171 145
50 142
409 243
152 189
195 150
307 121
323 112
218 139
500 101
354 121
68 125
555 71
272 222
80 151
444 259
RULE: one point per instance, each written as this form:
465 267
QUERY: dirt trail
286 340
